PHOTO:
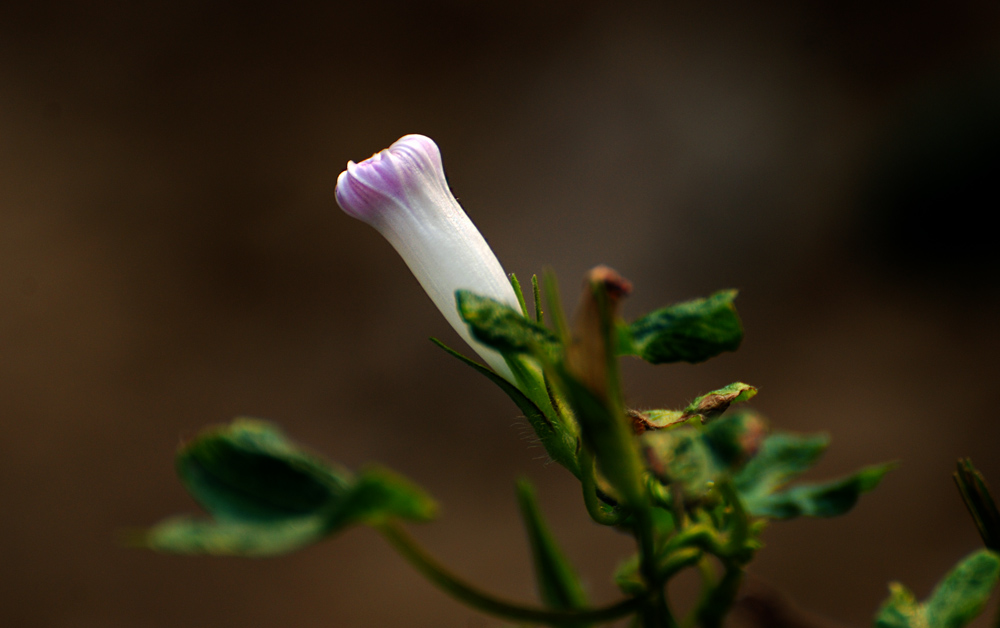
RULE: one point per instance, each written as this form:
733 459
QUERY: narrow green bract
558 584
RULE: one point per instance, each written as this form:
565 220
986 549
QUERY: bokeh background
171 256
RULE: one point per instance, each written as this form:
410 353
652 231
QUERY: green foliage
265 495
828 499
558 584
955 602
248 471
693 493
696 458
782 458
693 457
499 326
693 331
976 495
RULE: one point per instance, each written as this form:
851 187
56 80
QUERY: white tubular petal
403 193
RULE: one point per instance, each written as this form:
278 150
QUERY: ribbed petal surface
402 192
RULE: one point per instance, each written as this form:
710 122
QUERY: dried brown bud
592 345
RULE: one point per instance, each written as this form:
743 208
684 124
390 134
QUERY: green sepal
265 495
955 602
693 331
558 441
516 285
536 295
503 328
827 499
557 316
711 405
558 584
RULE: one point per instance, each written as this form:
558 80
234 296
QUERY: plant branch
454 586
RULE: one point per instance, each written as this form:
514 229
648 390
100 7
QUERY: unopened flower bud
402 192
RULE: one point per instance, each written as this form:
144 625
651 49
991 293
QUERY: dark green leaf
265 495
249 471
693 331
828 499
955 602
782 458
499 326
558 584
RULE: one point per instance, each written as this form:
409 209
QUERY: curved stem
590 499
454 586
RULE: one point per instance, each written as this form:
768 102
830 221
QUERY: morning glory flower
402 192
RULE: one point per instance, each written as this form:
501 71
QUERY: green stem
595 507
655 613
714 607
487 603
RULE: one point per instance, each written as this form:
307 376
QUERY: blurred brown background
171 256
